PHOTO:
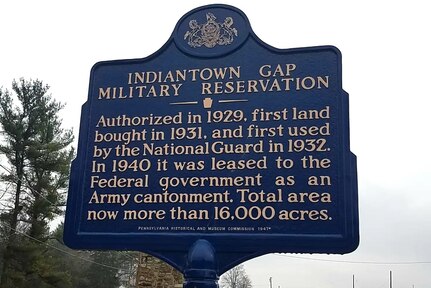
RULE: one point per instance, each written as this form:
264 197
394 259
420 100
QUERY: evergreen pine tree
38 159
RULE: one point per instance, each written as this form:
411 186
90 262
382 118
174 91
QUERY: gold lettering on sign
232 159
213 81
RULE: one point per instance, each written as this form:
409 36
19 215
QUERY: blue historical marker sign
216 143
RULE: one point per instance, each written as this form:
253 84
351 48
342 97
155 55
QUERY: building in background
155 273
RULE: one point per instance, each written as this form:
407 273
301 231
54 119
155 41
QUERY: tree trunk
13 223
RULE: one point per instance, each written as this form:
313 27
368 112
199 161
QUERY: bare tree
235 278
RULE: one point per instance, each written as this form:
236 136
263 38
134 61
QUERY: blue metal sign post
216 149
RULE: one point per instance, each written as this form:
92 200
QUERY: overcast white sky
386 70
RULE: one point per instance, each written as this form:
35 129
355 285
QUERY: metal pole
270 282
201 266
353 282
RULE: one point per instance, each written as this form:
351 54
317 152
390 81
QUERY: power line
56 248
29 187
63 251
356 262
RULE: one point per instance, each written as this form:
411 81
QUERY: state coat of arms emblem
211 33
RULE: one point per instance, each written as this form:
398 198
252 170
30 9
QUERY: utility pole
390 279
